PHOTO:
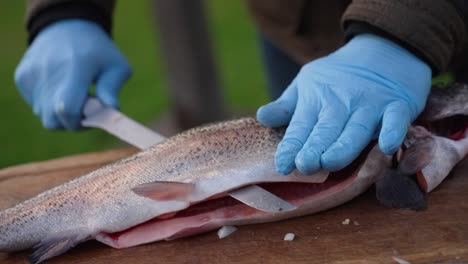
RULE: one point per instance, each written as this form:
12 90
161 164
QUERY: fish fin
417 156
164 191
394 189
56 244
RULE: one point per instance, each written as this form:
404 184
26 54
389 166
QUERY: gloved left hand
335 104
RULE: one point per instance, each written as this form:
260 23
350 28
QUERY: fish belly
211 214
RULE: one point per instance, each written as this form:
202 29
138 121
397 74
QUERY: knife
97 115
114 122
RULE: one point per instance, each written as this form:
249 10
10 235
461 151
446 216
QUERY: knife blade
97 115
114 122
261 199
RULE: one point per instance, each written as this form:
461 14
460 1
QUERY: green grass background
144 97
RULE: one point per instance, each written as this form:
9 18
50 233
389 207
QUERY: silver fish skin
217 158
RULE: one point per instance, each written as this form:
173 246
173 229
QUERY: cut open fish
175 189
180 187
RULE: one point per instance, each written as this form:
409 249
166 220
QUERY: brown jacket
306 29
434 30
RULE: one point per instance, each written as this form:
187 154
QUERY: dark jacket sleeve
40 13
462 8
433 30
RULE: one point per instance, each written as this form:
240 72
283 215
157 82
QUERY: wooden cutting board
375 234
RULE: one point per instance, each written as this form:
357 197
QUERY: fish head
437 140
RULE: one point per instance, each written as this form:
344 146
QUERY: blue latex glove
61 64
336 104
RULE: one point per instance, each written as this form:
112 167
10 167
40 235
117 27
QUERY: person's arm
41 13
70 49
376 84
432 30
462 8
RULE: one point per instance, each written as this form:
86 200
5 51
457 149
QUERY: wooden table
375 233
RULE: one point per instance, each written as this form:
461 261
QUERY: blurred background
144 97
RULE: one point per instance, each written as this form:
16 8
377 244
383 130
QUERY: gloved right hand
59 67
336 104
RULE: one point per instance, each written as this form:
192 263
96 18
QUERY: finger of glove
25 79
70 97
48 116
33 84
330 124
109 84
302 122
395 122
279 112
355 136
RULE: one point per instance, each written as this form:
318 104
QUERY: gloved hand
336 104
59 67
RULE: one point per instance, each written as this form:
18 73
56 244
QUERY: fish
179 188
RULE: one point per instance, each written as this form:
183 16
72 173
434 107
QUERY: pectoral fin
56 244
395 189
165 191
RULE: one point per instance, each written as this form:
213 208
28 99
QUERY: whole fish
179 188
175 189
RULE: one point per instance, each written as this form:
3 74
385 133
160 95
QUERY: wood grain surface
375 234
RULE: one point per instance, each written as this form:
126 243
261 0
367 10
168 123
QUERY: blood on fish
458 135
